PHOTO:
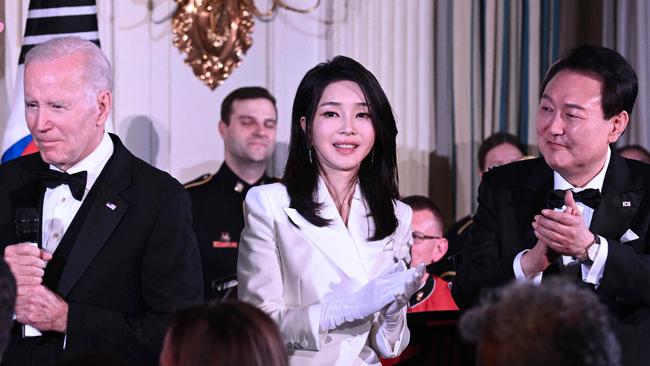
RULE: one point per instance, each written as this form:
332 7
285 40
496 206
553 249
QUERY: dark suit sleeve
486 262
170 279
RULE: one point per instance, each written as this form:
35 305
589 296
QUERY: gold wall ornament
215 34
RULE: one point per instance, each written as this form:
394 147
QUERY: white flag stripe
34 40
62 12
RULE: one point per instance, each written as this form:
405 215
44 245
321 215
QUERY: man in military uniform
429 247
248 127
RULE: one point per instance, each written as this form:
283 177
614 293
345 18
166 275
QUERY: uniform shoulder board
205 178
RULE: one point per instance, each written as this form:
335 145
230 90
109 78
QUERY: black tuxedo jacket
510 196
134 261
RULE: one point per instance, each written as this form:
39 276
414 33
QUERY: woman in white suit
324 252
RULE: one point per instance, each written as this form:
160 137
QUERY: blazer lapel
375 256
529 198
105 214
622 196
334 240
30 194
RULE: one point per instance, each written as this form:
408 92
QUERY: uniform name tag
224 244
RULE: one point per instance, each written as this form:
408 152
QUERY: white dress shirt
592 272
59 207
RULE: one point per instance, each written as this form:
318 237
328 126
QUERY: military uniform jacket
435 295
218 217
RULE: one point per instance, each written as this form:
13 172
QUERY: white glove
392 314
410 288
396 282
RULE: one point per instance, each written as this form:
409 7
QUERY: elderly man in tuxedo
116 252
581 211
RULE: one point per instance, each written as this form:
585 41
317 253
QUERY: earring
372 156
310 162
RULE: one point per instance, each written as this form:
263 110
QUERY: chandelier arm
266 14
282 4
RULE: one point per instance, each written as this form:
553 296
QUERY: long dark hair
378 172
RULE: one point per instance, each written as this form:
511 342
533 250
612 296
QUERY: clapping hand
564 232
396 282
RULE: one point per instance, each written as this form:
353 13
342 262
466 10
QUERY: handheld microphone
28 225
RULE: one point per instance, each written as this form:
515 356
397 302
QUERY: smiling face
66 119
342 133
572 133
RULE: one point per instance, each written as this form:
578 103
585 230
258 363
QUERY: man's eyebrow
569 105
576 106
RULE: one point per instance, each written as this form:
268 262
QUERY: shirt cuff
593 272
29 331
519 272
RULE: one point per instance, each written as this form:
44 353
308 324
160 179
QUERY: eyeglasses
419 236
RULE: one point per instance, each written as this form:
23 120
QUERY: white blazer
287 267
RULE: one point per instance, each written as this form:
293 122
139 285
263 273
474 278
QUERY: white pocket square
628 236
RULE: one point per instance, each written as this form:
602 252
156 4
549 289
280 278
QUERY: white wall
168 117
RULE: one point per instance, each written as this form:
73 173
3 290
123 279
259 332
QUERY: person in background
248 128
559 324
635 152
223 334
429 246
324 252
498 149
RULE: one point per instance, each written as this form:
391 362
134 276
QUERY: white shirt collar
596 182
94 163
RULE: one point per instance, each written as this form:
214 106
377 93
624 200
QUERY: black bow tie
53 178
589 197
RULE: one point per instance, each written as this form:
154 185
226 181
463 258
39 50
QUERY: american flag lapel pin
627 204
111 205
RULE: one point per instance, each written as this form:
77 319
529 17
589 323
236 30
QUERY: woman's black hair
378 172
